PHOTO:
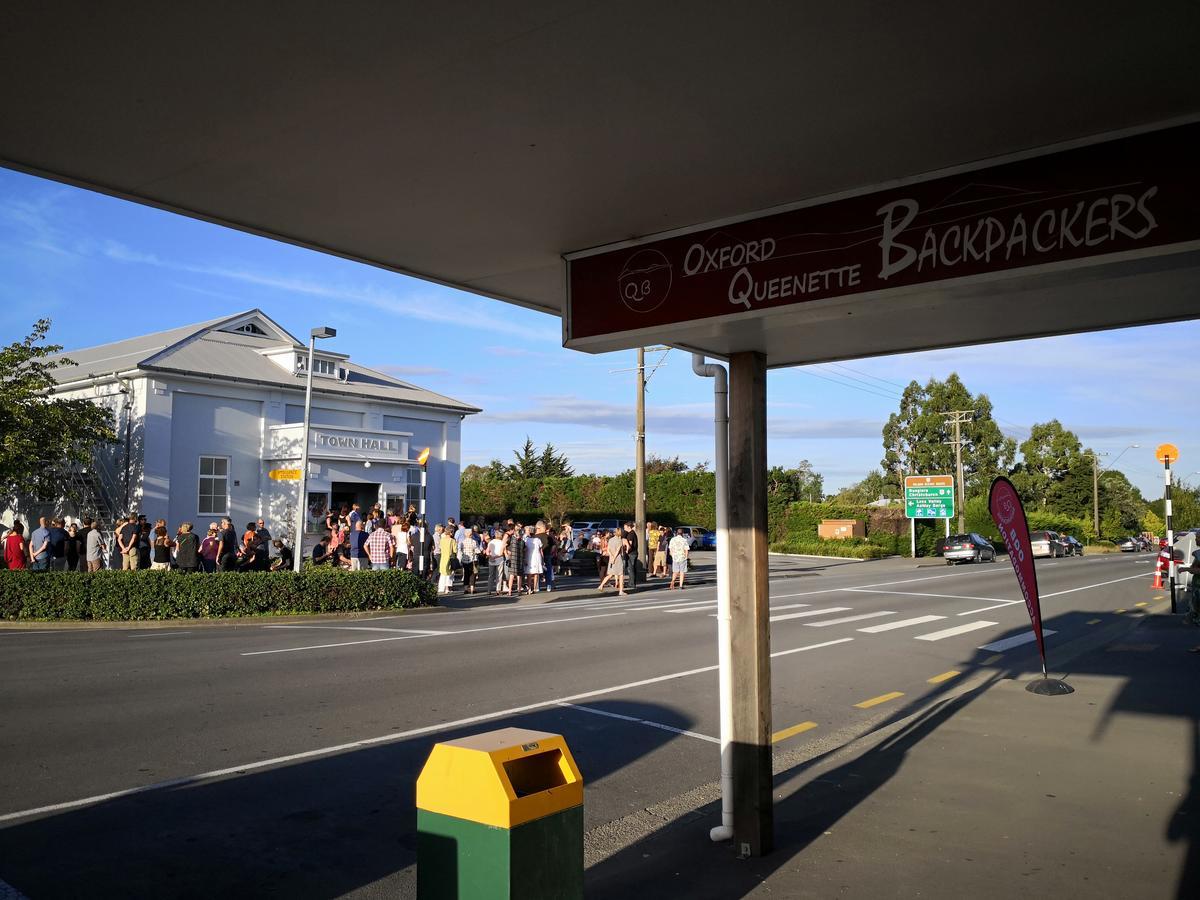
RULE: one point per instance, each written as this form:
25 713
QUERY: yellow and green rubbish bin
500 815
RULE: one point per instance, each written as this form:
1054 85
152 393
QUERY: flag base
1049 687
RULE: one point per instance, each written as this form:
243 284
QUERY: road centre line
357 628
811 612
785 733
825 623
1085 587
971 612
637 721
1015 641
158 634
945 676
952 632
905 623
389 738
939 596
875 701
409 637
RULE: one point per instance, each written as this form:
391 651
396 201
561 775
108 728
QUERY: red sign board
1009 515
1123 196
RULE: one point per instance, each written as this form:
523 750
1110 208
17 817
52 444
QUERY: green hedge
117 595
849 548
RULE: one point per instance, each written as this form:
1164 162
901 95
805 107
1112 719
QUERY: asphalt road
260 758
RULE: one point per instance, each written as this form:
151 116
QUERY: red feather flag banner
1009 515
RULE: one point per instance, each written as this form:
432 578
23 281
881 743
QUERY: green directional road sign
929 496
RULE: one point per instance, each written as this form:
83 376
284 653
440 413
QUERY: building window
214 486
320 366
413 493
251 328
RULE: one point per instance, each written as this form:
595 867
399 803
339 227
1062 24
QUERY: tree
914 439
800 483
1121 505
657 465
528 464
553 465
42 437
1054 472
1152 524
870 489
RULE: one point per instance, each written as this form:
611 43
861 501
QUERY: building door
347 493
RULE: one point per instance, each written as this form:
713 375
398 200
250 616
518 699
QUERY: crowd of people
502 559
136 544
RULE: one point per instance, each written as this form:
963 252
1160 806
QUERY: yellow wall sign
285 474
1166 453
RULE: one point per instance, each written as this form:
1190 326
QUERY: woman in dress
15 550
161 560
616 563
444 542
516 559
534 564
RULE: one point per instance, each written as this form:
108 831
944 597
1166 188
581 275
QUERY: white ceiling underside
474 143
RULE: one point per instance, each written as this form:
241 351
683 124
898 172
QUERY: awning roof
475 144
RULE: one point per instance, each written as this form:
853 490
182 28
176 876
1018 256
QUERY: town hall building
210 419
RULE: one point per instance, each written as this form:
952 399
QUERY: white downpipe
724 831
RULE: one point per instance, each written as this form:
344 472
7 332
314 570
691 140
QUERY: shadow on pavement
678 859
318 828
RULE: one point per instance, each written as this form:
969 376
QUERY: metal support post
750 635
639 486
1170 531
302 505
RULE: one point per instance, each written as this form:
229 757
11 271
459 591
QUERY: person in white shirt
679 557
496 549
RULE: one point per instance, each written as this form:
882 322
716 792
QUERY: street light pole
639 479
302 506
1096 469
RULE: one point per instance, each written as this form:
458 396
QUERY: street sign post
927 497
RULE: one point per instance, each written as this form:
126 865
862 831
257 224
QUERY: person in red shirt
14 547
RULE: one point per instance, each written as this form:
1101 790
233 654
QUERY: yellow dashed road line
882 698
994 658
1119 611
1143 603
792 732
945 676
1094 621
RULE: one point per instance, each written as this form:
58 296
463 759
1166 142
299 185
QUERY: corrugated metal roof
228 356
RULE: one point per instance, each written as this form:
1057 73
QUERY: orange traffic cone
1157 585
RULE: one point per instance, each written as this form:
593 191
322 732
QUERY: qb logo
645 281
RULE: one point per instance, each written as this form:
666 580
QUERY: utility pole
1096 495
957 418
639 481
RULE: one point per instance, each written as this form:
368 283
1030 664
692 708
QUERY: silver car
967 548
1046 543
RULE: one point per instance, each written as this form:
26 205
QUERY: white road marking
825 623
389 738
971 612
40 631
691 609
637 721
938 596
1017 641
951 632
811 612
789 606
679 605
158 634
904 623
809 647
358 628
1088 587
409 637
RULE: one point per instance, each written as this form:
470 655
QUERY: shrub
116 595
851 549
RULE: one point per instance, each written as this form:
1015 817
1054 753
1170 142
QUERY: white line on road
904 623
637 721
811 612
992 608
677 605
358 628
409 637
810 647
956 630
390 738
971 612
789 606
825 623
158 634
705 607
938 596
1017 641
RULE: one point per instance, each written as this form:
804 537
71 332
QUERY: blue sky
103 269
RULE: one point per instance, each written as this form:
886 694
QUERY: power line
868 375
846 385
868 384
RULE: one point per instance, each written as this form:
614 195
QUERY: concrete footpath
985 791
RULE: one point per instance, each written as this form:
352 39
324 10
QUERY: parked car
1072 545
694 534
1128 545
967 548
1046 543
609 524
708 540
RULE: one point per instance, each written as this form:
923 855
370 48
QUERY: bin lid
501 778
